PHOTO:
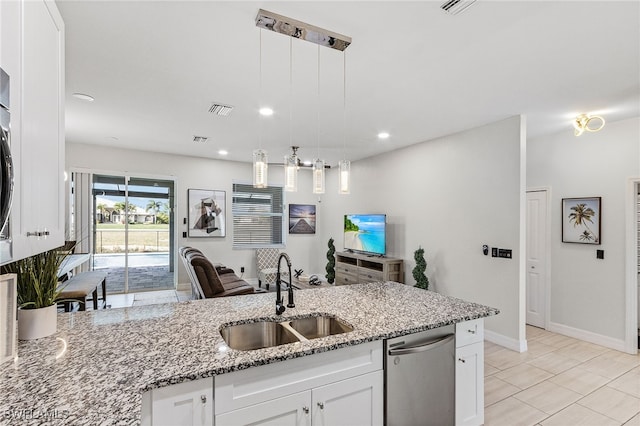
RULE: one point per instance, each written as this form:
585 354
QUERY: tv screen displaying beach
365 233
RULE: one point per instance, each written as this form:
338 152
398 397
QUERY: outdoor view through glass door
133 233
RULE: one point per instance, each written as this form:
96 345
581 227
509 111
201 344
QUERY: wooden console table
354 268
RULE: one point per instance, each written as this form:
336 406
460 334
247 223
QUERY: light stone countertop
95 369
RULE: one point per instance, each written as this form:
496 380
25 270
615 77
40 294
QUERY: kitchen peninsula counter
95 369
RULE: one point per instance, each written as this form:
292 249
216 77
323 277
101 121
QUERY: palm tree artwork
582 217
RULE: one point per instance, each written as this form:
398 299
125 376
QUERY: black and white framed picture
207 210
302 219
581 220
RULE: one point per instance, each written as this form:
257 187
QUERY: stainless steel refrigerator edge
6 169
420 378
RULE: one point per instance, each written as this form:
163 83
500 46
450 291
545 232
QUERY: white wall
588 294
203 173
450 196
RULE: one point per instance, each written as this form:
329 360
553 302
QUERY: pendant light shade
260 168
291 172
318 176
344 167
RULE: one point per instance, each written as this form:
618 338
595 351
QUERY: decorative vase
37 323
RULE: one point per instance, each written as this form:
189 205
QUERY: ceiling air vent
455 7
220 109
200 139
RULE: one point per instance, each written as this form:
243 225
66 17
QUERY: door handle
425 346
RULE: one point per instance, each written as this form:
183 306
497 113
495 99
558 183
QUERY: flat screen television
366 233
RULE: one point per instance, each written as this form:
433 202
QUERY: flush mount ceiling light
223 152
455 7
266 111
383 135
294 28
588 123
220 109
83 97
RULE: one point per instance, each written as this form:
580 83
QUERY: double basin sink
266 334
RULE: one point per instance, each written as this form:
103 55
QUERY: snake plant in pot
37 279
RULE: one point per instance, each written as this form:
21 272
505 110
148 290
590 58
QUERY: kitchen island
99 364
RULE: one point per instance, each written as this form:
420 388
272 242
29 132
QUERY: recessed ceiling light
383 135
307 163
83 97
266 111
223 152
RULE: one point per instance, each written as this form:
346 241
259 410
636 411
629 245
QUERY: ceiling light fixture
83 97
260 161
344 166
318 164
266 111
383 135
588 123
294 28
455 7
223 152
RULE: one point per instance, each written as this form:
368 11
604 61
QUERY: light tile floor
560 381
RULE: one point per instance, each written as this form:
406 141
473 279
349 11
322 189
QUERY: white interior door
536 257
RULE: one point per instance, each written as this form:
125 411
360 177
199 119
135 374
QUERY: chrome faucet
279 302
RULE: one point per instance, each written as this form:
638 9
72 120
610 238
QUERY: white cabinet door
291 410
185 404
470 384
41 143
356 402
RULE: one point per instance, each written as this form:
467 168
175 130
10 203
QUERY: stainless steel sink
257 335
322 326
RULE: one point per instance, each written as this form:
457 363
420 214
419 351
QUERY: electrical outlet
242 269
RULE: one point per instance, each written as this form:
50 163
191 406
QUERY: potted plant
37 281
331 262
418 272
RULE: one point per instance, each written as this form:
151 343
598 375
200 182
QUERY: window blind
258 219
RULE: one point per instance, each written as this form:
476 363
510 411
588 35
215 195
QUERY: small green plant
331 264
37 278
418 272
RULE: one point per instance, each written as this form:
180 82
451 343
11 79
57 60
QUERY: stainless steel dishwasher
420 378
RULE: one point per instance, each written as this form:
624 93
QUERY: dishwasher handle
425 346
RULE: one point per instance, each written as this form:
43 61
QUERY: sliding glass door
134 232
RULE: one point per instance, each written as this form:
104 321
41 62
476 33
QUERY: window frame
238 211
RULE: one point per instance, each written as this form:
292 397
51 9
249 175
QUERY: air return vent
200 139
220 109
455 7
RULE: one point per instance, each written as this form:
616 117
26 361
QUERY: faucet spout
279 302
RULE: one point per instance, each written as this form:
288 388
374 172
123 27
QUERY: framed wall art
302 219
207 210
581 220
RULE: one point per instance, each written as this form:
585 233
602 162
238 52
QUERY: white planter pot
37 323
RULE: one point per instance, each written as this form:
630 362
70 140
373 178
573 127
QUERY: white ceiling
414 71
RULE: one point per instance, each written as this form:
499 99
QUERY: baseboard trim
588 336
507 342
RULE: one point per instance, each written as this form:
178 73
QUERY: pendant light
344 166
291 161
260 160
318 164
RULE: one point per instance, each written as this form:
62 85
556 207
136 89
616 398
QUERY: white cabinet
34 55
344 386
184 404
470 373
355 401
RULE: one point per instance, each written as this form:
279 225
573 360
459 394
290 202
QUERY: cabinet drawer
254 385
346 279
343 268
469 332
369 275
